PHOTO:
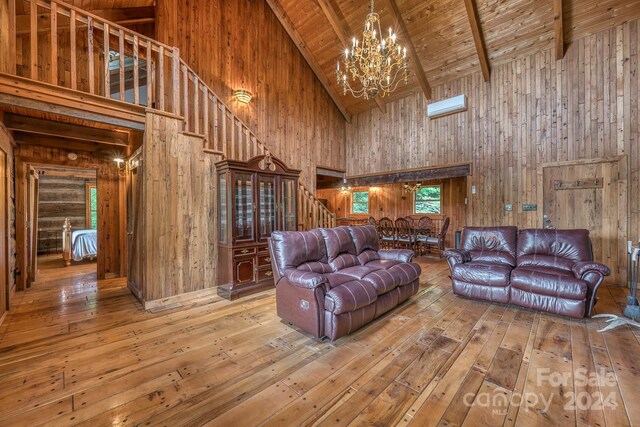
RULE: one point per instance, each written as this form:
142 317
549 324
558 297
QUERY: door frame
7 231
623 196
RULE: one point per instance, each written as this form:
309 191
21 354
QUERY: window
427 200
360 202
92 206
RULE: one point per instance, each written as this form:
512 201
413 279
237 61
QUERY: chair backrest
403 228
341 251
424 225
491 244
386 227
411 221
365 242
371 221
298 249
444 229
553 248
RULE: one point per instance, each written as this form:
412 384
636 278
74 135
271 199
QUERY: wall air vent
447 106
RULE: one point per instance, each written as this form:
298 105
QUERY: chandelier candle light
374 66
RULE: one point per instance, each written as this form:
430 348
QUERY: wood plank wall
7 147
241 44
390 201
7 36
60 197
111 249
179 211
534 110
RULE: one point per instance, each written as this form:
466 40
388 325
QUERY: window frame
427 200
88 210
353 202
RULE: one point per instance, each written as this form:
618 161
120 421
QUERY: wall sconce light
124 166
243 96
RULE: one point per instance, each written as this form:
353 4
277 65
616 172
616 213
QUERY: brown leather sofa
547 270
330 282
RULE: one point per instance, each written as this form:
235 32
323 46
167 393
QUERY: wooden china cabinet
254 198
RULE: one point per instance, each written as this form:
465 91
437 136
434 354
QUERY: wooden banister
171 86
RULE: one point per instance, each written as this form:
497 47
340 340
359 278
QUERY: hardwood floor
77 351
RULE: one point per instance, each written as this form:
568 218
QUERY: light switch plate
529 207
473 189
508 207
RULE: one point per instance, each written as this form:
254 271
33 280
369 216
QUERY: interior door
32 234
135 250
588 196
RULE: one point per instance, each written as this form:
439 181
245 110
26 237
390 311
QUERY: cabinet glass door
243 195
222 207
266 206
289 208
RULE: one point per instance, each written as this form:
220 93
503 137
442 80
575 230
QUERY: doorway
591 194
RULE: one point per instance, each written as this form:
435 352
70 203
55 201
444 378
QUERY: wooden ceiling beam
478 39
284 19
558 28
68 131
343 32
417 66
108 151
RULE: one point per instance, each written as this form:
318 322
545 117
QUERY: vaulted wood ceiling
442 32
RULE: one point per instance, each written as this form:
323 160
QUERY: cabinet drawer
244 251
244 270
263 250
265 274
264 260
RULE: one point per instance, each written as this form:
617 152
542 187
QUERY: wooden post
185 97
136 70
205 117
105 58
150 85
121 63
92 75
196 105
74 54
215 124
161 78
33 50
175 79
53 78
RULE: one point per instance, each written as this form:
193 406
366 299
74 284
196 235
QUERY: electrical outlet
529 207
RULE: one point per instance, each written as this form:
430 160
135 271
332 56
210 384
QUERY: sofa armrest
304 279
580 269
456 256
402 255
593 273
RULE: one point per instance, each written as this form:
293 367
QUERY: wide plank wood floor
75 351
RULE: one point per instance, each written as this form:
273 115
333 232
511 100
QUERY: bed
78 244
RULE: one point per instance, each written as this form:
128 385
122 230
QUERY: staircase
104 59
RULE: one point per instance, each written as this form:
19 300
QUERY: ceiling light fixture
375 66
411 188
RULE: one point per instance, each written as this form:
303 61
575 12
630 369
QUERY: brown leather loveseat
330 282
547 270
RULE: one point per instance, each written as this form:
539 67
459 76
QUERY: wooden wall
179 212
10 238
390 201
7 35
61 197
111 239
533 111
241 44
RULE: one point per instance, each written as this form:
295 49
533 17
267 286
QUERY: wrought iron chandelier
375 66
412 188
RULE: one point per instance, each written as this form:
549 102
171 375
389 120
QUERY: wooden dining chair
439 238
424 230
404 233
371 221
387 232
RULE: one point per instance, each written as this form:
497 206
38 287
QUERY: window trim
352 202
87 193
440 200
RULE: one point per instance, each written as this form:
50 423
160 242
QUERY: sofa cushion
408 272
491 244
382 263
337 279
341 251
383 280
553 248
554 282
364 237
292 248
367 256
315 266
344 261
358 271
482 273
349 296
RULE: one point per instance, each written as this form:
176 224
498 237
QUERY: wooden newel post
66 242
